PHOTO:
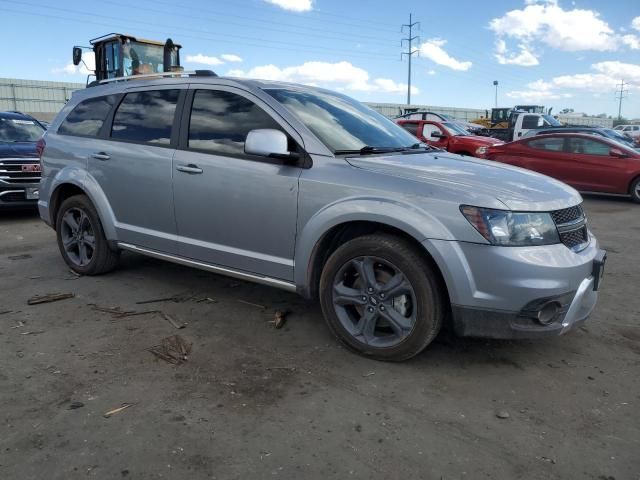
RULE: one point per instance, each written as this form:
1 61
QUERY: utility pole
410 39
620 95
495 83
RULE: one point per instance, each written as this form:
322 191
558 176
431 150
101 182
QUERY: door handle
191 168
100 156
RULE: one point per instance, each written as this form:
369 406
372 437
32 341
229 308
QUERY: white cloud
71 69
431 72
631 41
603 81
525 58
230 57
338 76
635 23
204 59
293 5
432 49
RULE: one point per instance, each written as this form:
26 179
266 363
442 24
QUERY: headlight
481 150
513 229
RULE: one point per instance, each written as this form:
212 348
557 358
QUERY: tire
634 190
88 237
394 326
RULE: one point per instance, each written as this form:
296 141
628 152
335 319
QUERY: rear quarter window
87 118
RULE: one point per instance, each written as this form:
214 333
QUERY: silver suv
310 191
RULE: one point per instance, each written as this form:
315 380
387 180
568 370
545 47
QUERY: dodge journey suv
310 191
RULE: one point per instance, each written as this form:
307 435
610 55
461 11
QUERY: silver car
310 191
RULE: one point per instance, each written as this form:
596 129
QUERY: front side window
428 129
552 144
587 147
531 121
220 121
146 117
341 123
87 118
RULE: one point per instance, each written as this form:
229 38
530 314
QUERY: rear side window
552 144
87 118
531 121
220 121
146 117
412 128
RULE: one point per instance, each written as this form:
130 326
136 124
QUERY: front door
233 209
595 168
132 164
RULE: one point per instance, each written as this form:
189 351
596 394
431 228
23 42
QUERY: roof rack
195 73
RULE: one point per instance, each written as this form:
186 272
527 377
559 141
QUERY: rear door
132 164
234 209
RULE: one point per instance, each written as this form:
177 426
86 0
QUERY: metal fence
39 98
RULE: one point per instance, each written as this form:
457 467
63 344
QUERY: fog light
548 312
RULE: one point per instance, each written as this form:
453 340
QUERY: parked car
520 123
449 137
473 128
19 162
310 191
632 131
586 162
599 131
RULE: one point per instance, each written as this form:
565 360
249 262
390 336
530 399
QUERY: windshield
340 122
619 137
549 120
142 58
454 129
14 130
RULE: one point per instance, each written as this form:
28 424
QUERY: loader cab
118 55
530 108
500 116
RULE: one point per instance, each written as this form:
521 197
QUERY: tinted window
530 121
220 121
412 128
553 144
587 147
87 117
146 117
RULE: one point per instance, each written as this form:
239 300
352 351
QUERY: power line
411 52
620 94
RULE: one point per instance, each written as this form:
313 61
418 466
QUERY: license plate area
32 193
598 269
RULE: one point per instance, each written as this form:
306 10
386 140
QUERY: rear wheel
634 191
81 239
381 298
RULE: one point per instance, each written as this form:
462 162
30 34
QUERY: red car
449 137
586 162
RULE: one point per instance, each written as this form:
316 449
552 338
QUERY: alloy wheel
78 237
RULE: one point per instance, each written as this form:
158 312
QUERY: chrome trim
250 277
11 191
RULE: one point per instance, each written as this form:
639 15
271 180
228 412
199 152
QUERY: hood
18 150
481 140
472 180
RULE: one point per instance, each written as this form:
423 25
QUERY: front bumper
498 292
15 197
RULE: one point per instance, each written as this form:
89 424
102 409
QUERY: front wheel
81 239
381 297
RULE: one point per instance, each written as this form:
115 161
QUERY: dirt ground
253 402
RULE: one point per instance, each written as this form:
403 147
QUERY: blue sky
564 54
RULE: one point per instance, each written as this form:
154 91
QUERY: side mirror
616 152
436 135
268 142
77 55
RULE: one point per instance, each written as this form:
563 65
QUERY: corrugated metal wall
41 99
44 99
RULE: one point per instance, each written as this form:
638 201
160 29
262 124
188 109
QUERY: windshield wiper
369 150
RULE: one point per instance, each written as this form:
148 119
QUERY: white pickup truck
521 122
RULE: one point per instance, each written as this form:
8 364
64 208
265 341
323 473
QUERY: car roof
15 115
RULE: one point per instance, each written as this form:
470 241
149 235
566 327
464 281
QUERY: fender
82 179
409 218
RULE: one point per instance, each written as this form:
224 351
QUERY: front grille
12 170
575 238
572 226
567 215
